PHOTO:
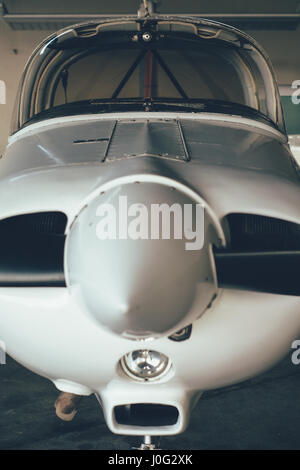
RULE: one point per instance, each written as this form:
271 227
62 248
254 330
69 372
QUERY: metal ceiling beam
70 17
248 20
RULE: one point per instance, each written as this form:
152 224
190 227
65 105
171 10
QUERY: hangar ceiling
255 15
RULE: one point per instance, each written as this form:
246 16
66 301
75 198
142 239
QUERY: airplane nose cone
134 263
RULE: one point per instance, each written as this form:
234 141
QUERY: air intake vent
146 414
32 250
256 232
53 223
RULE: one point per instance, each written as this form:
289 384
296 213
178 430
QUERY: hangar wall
16 46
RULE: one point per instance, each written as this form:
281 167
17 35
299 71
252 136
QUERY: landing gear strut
147 444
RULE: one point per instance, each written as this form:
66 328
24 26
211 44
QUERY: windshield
73 74
154 73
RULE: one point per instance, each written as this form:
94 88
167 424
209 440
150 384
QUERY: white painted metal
241 121
135 276
242 334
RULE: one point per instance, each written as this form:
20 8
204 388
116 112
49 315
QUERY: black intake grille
39 222
32 250
256 232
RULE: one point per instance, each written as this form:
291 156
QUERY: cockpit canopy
155 64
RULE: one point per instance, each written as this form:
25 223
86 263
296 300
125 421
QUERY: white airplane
150 217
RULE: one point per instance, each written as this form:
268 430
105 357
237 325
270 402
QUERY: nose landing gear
147 444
